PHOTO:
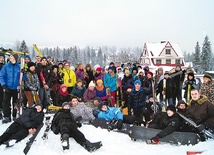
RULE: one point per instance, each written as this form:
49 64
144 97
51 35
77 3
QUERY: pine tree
206 55
23 47
197 58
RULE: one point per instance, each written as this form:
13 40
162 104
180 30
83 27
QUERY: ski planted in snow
31 139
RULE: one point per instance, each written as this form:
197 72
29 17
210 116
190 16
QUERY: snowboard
177 138
164 95
110 125
188 94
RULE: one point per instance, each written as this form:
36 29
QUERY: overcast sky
120 23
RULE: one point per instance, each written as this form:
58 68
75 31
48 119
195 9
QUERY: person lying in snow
65 124
26 124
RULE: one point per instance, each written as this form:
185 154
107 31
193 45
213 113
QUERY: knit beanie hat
110 68
43 58
15 56
101 105
91 84
65 103
166 72
38 104
137 82
149 72
207 76
99 69
30 64
181 102
127 71
171 107
99 81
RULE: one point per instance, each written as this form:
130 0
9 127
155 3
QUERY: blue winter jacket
9 75
111 113
110 82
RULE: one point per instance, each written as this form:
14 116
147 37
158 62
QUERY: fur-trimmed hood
201 100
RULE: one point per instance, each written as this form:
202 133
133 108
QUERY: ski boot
112 125
65 141
6 120
10 143
91 147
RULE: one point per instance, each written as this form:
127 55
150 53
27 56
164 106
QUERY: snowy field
113 144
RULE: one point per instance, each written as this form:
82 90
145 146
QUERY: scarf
63 93
100 88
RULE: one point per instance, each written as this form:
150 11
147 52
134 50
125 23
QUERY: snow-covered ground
113 143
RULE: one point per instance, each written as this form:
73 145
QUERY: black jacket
166 124
30 118
170 88
62 117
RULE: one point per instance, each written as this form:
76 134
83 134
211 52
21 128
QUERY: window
168 51
158 61
177 61
168 61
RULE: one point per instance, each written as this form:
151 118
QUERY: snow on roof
157 47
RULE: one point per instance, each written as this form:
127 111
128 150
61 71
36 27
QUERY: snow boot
65 141
91 147
6 120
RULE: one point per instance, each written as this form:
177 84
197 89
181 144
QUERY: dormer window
168 51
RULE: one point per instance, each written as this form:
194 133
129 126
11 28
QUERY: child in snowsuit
65 124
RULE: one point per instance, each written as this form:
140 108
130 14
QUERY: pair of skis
48 120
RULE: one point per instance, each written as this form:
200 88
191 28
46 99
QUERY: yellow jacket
69 74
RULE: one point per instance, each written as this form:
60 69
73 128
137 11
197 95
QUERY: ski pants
142 111
6 102
30 98
71 129
14 131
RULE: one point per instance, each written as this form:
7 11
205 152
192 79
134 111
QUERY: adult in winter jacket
9 79
178 80
2 57
65 124
78 90
62 96
56 82
26 124
167 121
69 77
193 85
201 111
207 88
98 74
90 93
45 75
168 91
110 81
127 80
80 73
31 85
89 75
136 101
80 109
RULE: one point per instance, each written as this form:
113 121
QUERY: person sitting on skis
65 124
26 124
167 121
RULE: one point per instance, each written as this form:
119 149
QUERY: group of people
93 93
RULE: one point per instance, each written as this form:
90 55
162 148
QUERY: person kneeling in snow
167 121
26 124
65 124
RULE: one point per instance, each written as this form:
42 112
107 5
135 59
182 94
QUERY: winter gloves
155 140
201 127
